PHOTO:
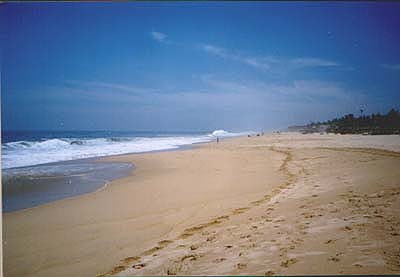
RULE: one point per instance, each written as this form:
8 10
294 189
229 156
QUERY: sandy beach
279 204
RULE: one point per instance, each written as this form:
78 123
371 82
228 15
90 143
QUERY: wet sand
278 204
30 186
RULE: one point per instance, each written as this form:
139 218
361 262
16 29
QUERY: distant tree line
374 124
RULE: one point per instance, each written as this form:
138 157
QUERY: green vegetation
375 124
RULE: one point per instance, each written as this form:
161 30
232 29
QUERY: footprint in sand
190 257
174 269
131 259
334 259
164 243
308 215
348 228
258 202
240 210
289 262
211 238
329 241
269 273
161 245
116 270
151 250
193 230
139 266
219 260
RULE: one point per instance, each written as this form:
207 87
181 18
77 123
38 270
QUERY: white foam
223 133
24 153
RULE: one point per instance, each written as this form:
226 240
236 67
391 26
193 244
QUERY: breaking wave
28 153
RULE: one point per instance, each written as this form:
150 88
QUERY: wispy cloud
269 62
391 66
120 87
226 54
158 36
299 90
263 93
250 102
312 62
259 102
104 91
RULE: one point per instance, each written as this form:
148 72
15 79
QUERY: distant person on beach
217 139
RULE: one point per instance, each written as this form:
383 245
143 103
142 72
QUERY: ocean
21 148
43 166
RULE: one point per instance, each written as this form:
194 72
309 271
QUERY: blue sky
195 66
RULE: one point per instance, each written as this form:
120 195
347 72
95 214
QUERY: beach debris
241 265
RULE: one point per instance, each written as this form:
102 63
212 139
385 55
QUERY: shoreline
28 187
94 161
167 146
96 209
172 194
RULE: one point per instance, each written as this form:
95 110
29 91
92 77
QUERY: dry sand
277 204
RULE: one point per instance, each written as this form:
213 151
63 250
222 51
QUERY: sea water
43 166
40 147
